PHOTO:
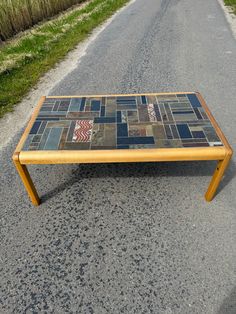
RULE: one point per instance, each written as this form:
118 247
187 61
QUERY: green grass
232 4
24 60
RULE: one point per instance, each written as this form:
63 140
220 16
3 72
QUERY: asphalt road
131 238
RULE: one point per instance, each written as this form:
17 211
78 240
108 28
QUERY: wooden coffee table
121 128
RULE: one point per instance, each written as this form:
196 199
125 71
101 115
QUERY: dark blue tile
42 127
122 129
95 105
123 147
157 112
194 100
126 99
118 116
198 134
184 131
47 119
144 100
82 105
198 114
174 131
104 120
35 127
183 112
102 114
135 140
168 132
57 103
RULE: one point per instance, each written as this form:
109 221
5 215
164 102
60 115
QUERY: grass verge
232 4
25 59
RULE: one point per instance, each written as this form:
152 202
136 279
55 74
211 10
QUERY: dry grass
18 15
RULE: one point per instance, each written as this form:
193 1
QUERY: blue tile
123 146
53 139
102 111
118 117
44 138
144 100
122 130
174 131
82 105
28 142
57 103
51 113
135 140
126 100
182 112
104 120
198 114
184 131
157 112
198 134
47 119
194 100
95 105
35 127
168 132
75 105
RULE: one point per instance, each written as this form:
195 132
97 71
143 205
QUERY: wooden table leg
27 181
217 176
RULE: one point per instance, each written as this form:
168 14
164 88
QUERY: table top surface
122 122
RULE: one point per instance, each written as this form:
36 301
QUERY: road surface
131 238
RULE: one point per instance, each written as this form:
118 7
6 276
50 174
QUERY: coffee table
121 128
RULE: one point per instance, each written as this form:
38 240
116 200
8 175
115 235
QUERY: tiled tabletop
121 122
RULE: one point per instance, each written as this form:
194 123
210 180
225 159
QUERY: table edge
215 124
30 124
122 155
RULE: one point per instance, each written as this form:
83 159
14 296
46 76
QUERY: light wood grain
26 180
134 155
217 176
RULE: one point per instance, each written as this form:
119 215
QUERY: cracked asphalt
131 238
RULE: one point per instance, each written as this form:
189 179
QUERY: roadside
26 58
232 4
229 8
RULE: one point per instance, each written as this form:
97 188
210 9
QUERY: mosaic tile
53 139
83 131
75 105
132 116
151 112
123 122
35 127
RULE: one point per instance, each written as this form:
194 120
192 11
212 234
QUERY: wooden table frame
220 153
